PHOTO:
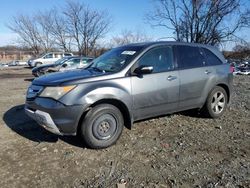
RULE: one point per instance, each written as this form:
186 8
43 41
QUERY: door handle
208 72
170 78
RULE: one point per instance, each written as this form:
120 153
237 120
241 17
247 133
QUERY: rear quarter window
211 58
58 55
189 57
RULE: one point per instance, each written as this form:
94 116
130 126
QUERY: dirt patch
180 150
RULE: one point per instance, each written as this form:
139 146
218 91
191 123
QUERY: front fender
87 94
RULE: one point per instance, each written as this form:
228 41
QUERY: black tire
102 126
216 103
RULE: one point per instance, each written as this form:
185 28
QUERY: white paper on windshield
128 52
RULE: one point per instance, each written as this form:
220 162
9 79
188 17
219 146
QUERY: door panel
192 84
194 75
155 94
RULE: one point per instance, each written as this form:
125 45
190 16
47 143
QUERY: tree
201 21
77 25
246 18
44 23
241 47
86 26
27 30
58 30
128 36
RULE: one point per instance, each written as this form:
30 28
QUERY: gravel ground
179 150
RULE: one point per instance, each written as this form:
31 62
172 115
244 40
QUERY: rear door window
211 58
161 58
189 57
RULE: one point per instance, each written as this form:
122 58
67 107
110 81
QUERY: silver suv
48 58
127 84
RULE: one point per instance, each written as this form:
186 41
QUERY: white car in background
17 63
22 63
2 65
48 58
245 71
242 71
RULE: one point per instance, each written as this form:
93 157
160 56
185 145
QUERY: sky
126 14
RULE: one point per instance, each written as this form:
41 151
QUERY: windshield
61 61
115 59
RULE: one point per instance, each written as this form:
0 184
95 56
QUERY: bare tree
202 21
28 31
86 26
44 22
241 47
78 25
58 31
128 36
246 18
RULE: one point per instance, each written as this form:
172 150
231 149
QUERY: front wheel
216 103
37 64
102 126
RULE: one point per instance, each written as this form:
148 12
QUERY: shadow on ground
29 79
16 119
27 67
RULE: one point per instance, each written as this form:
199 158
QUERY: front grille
33 91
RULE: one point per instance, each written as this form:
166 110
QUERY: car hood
44 66
59 78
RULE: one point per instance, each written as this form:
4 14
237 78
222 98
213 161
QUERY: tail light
231 68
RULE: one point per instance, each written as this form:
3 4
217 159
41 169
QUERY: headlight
56 92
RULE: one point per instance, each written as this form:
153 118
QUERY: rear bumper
31 63
54 116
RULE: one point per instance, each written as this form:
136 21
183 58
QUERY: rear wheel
102 126
216 103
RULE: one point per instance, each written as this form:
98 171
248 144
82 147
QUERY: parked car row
61 65
52 62
14 63
241 69
48 58
17 63
3 65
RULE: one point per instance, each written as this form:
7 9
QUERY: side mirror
64 65
144 70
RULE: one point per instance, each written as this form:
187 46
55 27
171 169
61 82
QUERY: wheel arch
38 62
226 88
115 102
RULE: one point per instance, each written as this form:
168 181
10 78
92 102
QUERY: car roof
176 43
155 43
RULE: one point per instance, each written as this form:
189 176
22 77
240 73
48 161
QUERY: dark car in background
61 65
127 84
